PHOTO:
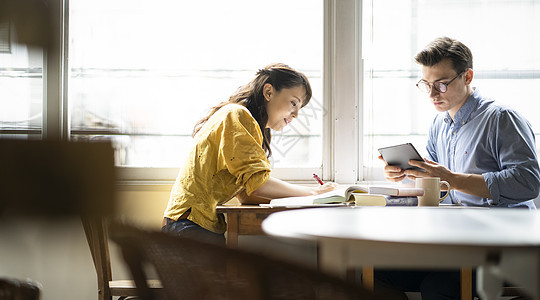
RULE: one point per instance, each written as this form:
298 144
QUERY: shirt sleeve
240 150
513 145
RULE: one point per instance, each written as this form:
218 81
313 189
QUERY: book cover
384 200
396 191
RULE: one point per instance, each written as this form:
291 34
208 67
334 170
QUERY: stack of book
354 194
388 196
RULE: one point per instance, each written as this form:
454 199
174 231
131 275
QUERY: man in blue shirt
486 152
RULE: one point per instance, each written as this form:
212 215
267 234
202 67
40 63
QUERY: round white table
503 244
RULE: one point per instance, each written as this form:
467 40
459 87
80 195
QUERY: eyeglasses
441 87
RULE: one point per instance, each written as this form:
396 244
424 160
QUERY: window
21 92
506 63
5 40
142 75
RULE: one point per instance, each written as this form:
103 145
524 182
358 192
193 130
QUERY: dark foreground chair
97 237
15 289
190 269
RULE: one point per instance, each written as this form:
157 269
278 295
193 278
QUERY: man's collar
463 114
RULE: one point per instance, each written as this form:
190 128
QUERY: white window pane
501 34
142 74
21 92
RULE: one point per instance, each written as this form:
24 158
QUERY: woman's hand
275 188
327 187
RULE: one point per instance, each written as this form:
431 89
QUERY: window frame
342 45
343 89
55 116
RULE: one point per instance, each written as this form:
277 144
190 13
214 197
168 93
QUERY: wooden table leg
232 229
368 279
351 275
466 283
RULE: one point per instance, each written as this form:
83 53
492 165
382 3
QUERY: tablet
399 155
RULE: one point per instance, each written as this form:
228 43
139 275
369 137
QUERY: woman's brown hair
251 96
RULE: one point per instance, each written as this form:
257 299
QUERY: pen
317 178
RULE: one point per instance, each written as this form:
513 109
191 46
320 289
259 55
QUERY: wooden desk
244 220
503 244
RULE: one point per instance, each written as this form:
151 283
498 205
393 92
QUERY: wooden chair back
96 232
192 269
61 179
56 179
16 289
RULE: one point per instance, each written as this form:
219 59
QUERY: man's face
457 91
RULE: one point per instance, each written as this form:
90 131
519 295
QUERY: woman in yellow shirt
230 154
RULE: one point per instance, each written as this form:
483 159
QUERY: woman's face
283 106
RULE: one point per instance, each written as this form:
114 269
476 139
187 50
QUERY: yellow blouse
226 157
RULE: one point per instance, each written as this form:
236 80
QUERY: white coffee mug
432 191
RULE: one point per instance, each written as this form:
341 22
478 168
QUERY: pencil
316 177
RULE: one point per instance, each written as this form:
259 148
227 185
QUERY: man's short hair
446 48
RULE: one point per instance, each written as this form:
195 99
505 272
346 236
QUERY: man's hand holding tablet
397 159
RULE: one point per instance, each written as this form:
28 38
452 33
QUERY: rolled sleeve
255 181
519 178
241 153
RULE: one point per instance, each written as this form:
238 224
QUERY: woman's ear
268 90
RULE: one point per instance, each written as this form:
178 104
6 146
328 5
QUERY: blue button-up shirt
489 139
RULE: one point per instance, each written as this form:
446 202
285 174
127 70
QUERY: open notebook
340 196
